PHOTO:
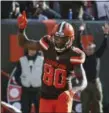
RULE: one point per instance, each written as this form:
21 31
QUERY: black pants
92 95
29 96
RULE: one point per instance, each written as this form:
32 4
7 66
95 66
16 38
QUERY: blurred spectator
46 10
33 11
37 14
29 9
6 7
28 75
92 95
15 7
88 10
55 6
76 6
22 5
15 10
102 9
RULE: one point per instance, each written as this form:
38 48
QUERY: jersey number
56 77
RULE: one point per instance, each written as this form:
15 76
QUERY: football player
63 74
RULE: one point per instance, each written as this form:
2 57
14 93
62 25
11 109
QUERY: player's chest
57 60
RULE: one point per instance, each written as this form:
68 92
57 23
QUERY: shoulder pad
45 41
79 57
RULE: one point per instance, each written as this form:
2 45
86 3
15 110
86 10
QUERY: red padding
49 25
15 50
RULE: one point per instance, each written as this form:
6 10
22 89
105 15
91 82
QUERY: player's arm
79 57
22 37
101 50
27 43
79 81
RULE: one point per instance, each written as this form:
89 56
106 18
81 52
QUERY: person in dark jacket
92 94
28 75
46 10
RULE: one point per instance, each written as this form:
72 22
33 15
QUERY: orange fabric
47 105
62 104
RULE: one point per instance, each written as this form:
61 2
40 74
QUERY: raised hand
22 21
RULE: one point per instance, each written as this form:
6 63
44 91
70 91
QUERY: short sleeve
78 57
45 41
